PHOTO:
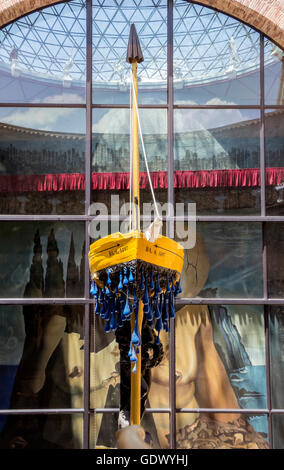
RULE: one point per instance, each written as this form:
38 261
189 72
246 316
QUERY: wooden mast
134 56
135 151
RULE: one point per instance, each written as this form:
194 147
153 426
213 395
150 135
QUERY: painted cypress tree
72 278
35 286
54 282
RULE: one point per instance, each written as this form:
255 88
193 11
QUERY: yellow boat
110 254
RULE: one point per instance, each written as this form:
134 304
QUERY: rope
130 146
144 152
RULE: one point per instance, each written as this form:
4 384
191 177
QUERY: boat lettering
117 252
154 251
149 250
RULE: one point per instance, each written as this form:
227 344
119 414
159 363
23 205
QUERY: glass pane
217 160
273 73
42 259
276 325
42 160
41 356
106 427
111 73
224 262
220 363
214 433
42 432
157 427
104 383
275 259
43 56
278 431
216 58
111 157
274 157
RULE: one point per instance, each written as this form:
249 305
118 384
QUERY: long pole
135 151
135 397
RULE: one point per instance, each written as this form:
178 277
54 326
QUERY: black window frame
263 218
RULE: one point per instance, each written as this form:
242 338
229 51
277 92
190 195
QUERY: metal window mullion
43 411
126 106
178 301
70 411
85 218
262 131
228 301
268 373
216 106
42 105
172 358
88 157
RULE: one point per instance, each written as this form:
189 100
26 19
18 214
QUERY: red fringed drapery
241 178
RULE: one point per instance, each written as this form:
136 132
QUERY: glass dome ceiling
50 44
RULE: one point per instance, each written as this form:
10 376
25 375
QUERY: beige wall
265 15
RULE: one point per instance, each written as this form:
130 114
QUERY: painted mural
220 349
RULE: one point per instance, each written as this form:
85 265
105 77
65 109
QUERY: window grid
86 411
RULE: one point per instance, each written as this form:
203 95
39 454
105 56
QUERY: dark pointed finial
134 52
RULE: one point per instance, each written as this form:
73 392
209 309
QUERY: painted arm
213 387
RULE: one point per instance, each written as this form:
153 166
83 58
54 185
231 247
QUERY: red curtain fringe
240 178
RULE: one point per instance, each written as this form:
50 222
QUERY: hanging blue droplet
97 308
131 278
107 327
108 278
157 312
132 356
135 340
161 303
165 315
94 288
145 296
107 311
166 326
178 288
134 368
130 350
126 310
125 280
120 285
158 287
102 295
152 285
159 325
113 323
149 315
173 284
102 310
146 309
